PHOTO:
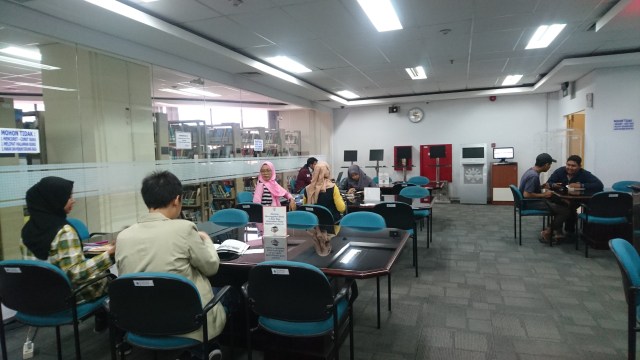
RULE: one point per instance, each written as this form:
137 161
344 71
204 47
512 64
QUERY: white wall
517 120
531 123
611 155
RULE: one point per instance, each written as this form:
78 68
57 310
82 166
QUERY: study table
347 253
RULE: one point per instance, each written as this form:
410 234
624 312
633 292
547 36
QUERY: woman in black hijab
48 236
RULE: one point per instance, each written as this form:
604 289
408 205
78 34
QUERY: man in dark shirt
572 175
304 175
531 189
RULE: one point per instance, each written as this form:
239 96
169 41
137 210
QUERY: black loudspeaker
393 109
564 85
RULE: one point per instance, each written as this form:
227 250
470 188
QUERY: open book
231 249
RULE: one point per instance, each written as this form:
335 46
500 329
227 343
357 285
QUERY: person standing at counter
161 242
322 191
268 191
305 174
357 180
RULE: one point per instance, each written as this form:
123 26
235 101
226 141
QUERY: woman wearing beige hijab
322 191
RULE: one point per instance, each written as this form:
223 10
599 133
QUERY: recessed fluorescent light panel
511 80
382 14
348 94
544 36
288 64
416 73
22 52
45 86
27 63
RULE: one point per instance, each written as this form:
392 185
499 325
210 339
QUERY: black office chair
325 217
606 208
253 209
43 296
296 300
395 190
339 177
154 307
401 216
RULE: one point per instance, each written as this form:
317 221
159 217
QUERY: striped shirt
66 253
267 199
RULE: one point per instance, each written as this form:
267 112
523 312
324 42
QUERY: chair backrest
364 220
324 215
289 291
81 228
301 220
414 192
339 177
419 180
254 211
610 204
244 197
34 287
624 185
292 185
375 180
395 190
230 217
517 196
396 214
629 264
155 304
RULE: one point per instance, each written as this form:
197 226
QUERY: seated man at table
573 176
531 189
160 242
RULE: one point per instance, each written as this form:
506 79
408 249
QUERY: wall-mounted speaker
565 88
393 109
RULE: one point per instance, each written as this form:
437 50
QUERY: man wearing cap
531 189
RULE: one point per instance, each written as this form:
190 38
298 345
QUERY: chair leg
415 247
58 343
378 298
520 228
351 349
3 341
389 289
514 223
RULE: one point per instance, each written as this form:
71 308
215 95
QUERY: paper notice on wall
623 124
183 140
25 141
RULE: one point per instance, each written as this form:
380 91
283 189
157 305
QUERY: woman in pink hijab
268 191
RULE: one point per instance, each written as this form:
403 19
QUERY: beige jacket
157 243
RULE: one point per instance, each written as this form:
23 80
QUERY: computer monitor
350 155
437 152
473 153
503 153
376 155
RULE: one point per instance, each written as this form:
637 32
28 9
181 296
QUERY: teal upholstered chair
624 185
230 217
151 314
419 180
292 185
43 296
300 305
81 229
301 220
606 208
364 221
629 264
244 197
418 192
527 207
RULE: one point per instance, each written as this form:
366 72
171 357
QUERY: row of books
191 197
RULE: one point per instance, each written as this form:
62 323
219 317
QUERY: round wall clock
415 115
